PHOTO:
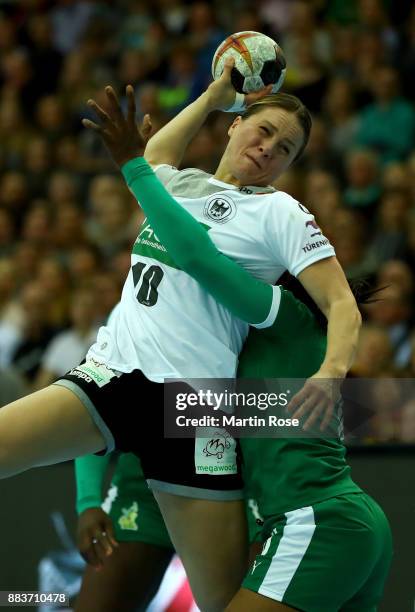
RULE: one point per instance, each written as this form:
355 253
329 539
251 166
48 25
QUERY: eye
284 149
264 129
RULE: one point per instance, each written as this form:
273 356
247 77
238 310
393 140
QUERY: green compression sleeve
189 245
89 475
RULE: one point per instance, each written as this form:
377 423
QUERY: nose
264 150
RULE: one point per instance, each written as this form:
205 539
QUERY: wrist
332 370
121 161
208 102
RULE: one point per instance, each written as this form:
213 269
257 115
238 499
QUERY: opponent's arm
89 475
95 531
193 251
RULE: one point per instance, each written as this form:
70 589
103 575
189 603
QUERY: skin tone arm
327 285
324 280
169 144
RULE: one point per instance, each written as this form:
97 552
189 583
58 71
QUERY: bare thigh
46 427
128 580
248 601
211 539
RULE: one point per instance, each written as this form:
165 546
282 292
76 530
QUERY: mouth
253 161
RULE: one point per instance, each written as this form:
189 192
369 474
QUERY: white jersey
166 325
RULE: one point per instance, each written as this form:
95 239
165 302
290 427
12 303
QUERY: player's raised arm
169 144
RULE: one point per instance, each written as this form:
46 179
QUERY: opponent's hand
95 536
120 134
222 93
317 400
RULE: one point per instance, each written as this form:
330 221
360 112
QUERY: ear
235 124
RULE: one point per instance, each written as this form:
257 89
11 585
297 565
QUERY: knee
214 602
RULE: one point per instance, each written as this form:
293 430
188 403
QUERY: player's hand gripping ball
259 61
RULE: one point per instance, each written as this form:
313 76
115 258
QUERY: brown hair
289 103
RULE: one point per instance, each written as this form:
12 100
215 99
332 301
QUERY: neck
223 174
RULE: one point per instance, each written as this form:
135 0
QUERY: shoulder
186 183
288 208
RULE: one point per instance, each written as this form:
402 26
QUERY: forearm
343 327
189 245
89 475
169 144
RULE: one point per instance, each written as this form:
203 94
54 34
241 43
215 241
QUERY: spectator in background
340 115
362 190
12 386
14 131
374 353
182 84
174 14
26 259
68 229
348 233
393 313
62 188
53 279
7 233
113 224
36 227
318 154
43 53
396 273
37 331
38 164
83 263
308 80
390 233
204 35
14 193
51 118
388 125
69 21
107 287
70 347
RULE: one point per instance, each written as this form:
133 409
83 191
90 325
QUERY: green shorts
330 556
134 511
131 505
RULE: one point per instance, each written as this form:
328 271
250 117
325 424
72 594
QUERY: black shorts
128 409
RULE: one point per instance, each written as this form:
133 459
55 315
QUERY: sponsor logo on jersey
315 226
128 520
217 445
253 191
220 209
148 245
310 246
92 371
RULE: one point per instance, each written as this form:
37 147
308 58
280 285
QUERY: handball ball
259 61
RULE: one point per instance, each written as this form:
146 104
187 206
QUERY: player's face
262 146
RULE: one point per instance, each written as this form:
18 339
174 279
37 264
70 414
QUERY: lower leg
128 580
210 537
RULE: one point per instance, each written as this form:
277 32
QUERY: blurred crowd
67 222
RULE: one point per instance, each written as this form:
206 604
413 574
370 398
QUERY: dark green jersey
285 474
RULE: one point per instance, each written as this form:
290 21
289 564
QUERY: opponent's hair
362 288
289 103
